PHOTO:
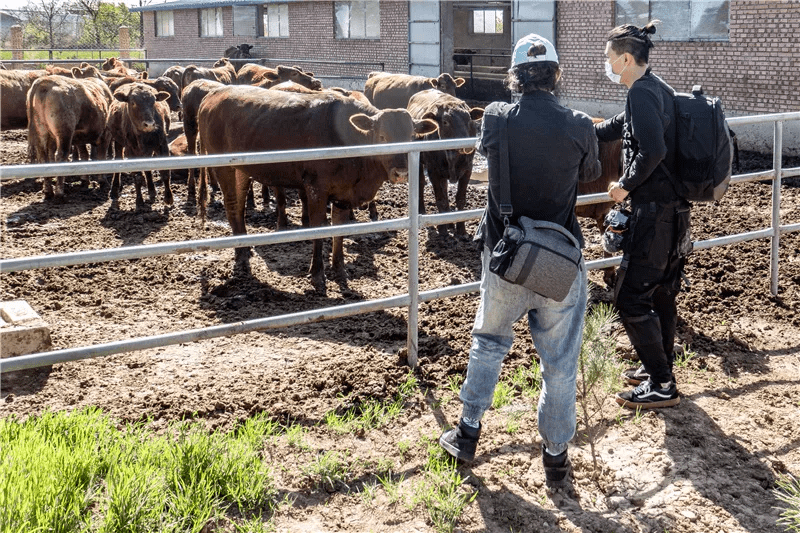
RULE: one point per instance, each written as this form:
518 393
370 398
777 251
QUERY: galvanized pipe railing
413 223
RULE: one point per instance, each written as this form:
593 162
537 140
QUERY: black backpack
704 152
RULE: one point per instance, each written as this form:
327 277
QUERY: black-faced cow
241 119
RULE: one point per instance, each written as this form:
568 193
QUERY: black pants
648 284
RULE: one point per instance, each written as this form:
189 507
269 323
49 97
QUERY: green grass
372 414
788 491
77 472
328 470
503 394
83 55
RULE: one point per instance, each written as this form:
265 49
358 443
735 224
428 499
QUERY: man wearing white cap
550 149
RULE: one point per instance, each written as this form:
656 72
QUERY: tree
103 21
47 22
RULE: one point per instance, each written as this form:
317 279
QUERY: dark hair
529 77
633 40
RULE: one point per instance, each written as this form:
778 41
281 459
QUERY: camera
616 222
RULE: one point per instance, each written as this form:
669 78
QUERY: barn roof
201 4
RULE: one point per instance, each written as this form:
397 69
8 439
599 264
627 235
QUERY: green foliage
598 370
503 394
528 380
788 491
76 472
441 490
328 470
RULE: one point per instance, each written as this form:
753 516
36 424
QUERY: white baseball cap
523 48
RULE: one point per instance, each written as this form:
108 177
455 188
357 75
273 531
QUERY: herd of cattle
119 112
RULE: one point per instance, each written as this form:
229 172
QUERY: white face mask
615 78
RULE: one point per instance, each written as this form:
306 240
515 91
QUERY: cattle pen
412 223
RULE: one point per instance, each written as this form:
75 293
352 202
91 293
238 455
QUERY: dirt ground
708 465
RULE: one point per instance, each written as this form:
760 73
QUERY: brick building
744 51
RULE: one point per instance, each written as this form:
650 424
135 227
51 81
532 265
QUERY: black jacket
551 148
647 130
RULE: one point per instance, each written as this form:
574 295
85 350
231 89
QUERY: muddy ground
708 465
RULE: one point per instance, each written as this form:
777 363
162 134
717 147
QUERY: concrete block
22 330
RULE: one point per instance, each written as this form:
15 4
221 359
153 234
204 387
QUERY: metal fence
413 223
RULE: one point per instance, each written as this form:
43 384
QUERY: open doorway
481 39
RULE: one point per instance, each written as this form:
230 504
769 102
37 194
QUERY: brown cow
390 91
241 119
63 111
14 86
137 123
162 83
193 94
179 148
116 67
456 120
265 77
222 71
610 156
175 73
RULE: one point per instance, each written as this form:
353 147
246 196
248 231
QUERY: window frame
663 34
263 12
218 22
502 12
158 24
366 6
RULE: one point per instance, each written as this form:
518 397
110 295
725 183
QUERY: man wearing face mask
650 274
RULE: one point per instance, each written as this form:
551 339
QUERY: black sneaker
634 376
556 469
461 441
649 396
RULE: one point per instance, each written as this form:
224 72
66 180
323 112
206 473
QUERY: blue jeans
557 331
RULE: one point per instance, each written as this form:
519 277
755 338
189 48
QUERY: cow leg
100 153
234 185
280 207
191 191
139 180
63 147
461 200
421 188
317 204
166 178
304 218
339 216
251 199
373 211
439 183
264 197
151 186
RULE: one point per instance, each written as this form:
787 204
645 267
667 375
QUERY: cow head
447 84
141 100
163 83
87 71
223 62
298 76
112 63
456 121
392 126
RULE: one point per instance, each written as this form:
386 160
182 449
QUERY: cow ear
144 75
430 115
434 82
425 126
271 76
76 72
162 95
362 122
476 113
284 70
460 82
122 93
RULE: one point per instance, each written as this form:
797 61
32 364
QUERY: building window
487 21
358 20
211 22
244 20
165 24
685 20
275 20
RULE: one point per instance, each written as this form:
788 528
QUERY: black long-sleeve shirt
647 130
551 148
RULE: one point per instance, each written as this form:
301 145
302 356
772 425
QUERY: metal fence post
777 162
412 345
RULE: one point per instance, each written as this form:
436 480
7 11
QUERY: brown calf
222 71
391 91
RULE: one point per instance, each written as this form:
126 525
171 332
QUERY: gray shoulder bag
539 255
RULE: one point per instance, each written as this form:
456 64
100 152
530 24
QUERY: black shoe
556 469
461 441
649 396
634 376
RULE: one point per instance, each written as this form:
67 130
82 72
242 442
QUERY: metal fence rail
413 222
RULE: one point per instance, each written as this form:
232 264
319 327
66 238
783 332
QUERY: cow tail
202 190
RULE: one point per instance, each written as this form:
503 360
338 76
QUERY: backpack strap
506 209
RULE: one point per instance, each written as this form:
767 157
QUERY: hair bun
537 49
